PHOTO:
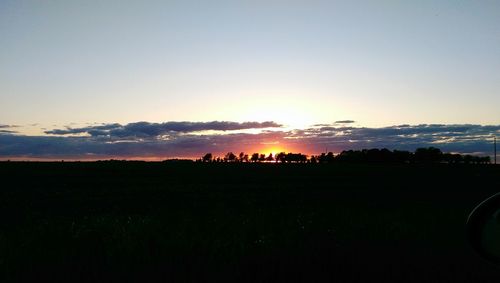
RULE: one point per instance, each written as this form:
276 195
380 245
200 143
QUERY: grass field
131 221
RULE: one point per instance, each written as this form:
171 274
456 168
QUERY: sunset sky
163 79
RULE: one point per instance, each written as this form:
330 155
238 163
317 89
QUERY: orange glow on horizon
277 148
269 150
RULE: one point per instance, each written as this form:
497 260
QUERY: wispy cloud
3 126
6 129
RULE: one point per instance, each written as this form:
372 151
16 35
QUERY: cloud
463 138
5 129
144 139
56 147
70 131
3 126
146 129
345 122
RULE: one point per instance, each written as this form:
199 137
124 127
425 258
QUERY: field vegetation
250 222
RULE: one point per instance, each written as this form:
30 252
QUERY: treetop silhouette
374 155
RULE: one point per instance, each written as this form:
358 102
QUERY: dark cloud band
150 139
345 122
146 129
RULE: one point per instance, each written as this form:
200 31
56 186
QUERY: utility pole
495 149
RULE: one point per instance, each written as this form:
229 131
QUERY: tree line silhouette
375 155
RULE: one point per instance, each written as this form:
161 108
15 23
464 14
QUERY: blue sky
297 63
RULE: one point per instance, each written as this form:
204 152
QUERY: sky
245 75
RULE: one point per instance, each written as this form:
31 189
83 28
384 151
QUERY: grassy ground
241 222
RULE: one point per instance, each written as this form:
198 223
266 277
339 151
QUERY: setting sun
274 149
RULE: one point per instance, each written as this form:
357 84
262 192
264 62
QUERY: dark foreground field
240 222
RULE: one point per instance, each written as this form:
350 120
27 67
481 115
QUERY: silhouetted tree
471 159
255 157
485 160
270 157
207 157
350 156
302 158
426 155
452 158
295 158
322 158
325 158
230 157
330 157
313 160
386 155
421 155
280 157
401 156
